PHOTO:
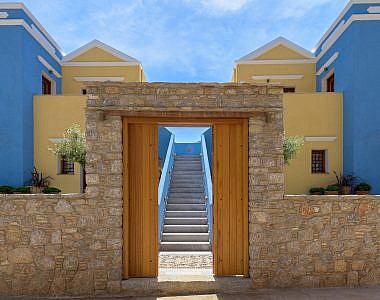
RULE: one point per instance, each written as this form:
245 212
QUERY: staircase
185 224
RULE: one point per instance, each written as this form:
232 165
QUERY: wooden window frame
46 85
330 83
64 169
323 160
289 89
47 78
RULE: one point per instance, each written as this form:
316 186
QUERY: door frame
186 121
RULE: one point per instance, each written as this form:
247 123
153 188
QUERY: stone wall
316 241
57 244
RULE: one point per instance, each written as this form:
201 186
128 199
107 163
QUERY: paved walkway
285 294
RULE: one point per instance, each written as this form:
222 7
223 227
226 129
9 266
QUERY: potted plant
317 191
6 189
332 190
21 190
39 181
51 190
363 188
346 183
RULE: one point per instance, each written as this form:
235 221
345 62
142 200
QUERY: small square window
66 167
84 92
289 89
318 161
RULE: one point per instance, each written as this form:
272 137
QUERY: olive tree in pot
291 145
73 148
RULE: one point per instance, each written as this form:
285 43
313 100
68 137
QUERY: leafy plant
51 190
39 180
6 189
332 188
348 180
291 145
317 190
363 187
21 190
73 145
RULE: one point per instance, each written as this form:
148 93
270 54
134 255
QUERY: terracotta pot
362 192
331 193
36 190
346 190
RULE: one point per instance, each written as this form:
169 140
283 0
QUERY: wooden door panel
230 199
140 219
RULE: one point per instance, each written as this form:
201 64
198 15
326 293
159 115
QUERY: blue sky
187 134
185 40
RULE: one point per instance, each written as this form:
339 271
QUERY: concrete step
185 221
189 214
185 207
198 195
186 184
185 237
185 246
186 228
186 189
185 201
187 157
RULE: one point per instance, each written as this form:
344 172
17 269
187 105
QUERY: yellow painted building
315 116
94 61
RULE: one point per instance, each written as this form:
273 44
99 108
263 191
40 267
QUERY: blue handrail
207 184
163 186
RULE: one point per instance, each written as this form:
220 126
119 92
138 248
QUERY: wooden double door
140 195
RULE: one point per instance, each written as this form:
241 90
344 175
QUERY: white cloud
293 9
220 6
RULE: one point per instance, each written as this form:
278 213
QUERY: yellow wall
96 54
244 72
316 115
280 52
72 87
52 116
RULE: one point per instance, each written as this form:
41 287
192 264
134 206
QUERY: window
289 89
46 86
318 161
66 167
330 83
84 92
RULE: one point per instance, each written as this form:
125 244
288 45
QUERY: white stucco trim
277 42
21 22
283 77
373 9
277 62
101 79
332 39
49 67
3 15
20 5
320 138
328 63
341 15
100 45
99 63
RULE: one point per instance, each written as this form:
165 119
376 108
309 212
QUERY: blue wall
164 136
187 148
356 75
20 80
208 138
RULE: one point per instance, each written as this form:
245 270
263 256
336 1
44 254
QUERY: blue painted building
30 65
348 61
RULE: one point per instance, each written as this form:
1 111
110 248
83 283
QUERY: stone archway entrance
259 106
230 203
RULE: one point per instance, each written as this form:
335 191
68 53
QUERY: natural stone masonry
316 241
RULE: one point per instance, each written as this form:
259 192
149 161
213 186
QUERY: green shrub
21 190
315 190
363 187
51 190
291 145
6 189
333 188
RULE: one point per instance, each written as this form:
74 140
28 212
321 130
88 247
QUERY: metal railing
207 181
163 187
